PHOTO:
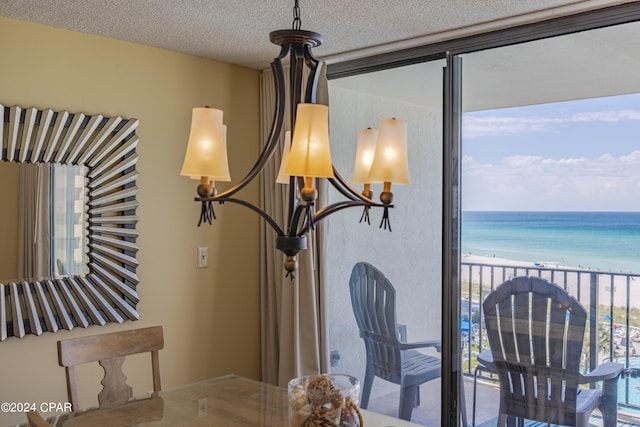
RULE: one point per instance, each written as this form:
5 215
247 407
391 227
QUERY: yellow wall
210 316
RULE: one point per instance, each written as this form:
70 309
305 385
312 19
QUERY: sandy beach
578 283
492 260
578 280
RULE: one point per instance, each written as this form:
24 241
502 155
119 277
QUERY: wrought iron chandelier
381 155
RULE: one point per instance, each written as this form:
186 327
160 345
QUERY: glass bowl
327 398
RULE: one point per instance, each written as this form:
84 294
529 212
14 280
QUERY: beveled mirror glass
85 169
43 222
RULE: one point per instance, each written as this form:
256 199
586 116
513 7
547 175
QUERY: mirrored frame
107 293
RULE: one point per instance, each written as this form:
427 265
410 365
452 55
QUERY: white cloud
477 126
605 116
532 182
633 157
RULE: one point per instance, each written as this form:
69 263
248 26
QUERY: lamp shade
207 149
365 150
283 178
310 155
390 162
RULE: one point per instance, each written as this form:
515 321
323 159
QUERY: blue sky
570 156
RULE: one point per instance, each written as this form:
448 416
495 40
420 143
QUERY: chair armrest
421 344
402 332
606 371
404 345
486 360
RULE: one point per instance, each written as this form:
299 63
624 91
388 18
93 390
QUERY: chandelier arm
315 74
285 49
295 96
348 191
335 207
297 79
293 191
295 225
312 61
338 186
274 134
249 205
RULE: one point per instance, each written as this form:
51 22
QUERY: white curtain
34 236
293 332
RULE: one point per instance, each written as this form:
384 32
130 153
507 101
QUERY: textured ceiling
237 31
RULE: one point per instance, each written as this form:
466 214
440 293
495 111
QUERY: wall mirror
68 221
43 222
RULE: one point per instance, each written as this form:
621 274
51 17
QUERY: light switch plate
203 408
203 257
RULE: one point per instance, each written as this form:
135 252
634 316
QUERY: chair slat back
535 330
109 350
36 420
374 304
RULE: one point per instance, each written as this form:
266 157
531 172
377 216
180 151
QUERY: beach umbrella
606 317
464 325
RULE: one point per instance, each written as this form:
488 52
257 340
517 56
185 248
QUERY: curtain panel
292 328
33 222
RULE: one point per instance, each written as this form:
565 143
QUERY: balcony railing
612 301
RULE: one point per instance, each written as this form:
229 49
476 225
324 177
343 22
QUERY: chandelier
381 154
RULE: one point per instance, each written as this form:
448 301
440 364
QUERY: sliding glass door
409 254
460 98
551 188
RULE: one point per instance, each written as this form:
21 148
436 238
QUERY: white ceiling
595 63
237 31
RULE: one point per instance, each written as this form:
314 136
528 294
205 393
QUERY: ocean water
604 241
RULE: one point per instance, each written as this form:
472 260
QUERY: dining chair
110 350
36 420
535 331
373 299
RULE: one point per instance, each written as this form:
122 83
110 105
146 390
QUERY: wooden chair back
535 330
35 420
110 350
